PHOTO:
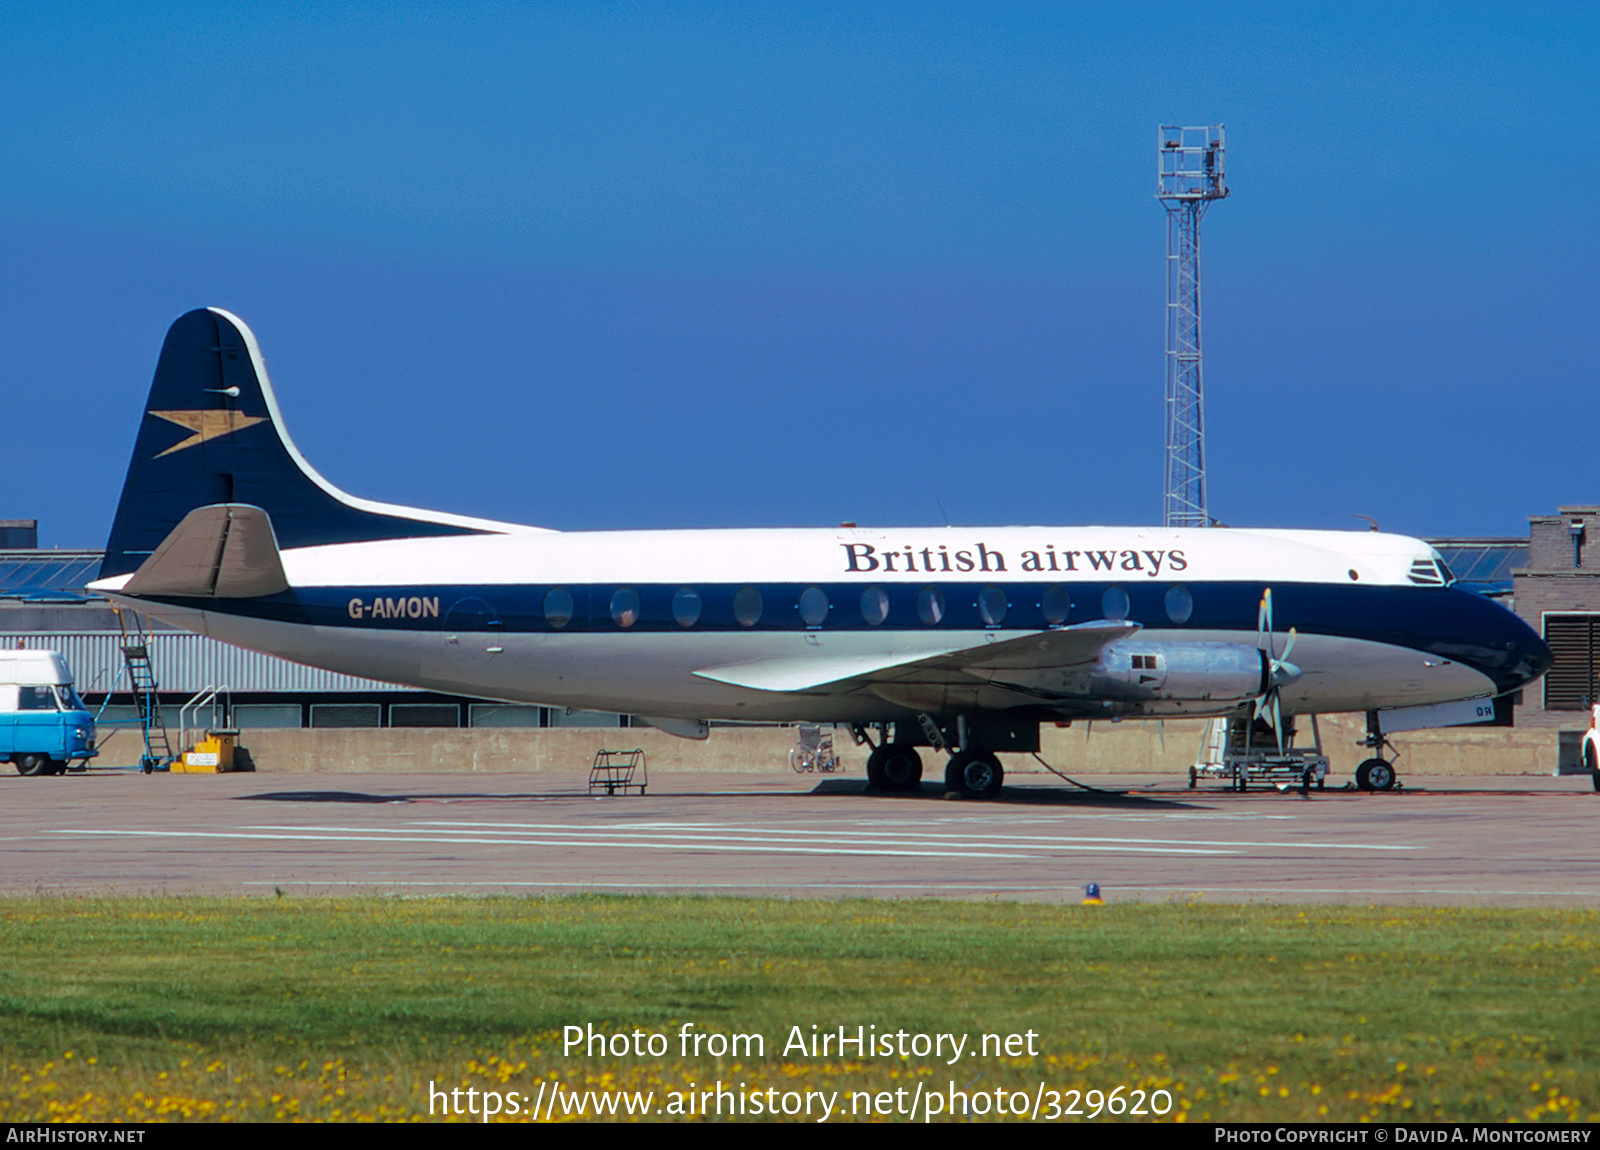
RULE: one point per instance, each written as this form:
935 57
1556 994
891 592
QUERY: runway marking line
829 836
692 845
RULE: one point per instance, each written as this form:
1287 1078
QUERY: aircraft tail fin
212 435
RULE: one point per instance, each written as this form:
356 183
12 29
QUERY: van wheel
32 764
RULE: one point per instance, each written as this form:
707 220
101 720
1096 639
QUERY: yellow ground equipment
212 755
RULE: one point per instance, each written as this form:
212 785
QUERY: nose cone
1502 645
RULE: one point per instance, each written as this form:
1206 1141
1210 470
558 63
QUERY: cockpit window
1428 572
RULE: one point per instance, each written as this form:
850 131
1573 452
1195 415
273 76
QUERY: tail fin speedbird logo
206 425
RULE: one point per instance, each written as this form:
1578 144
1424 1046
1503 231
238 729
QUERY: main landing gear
975 774
971 772
894 767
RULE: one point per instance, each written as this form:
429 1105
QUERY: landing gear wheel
32 765
975 774
895 767
1375 775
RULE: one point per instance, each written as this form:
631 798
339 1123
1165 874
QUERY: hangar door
1573 682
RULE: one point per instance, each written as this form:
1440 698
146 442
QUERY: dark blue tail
212 434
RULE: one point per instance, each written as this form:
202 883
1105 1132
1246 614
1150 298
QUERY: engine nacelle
1138 672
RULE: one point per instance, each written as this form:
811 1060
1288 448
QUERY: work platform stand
1242 751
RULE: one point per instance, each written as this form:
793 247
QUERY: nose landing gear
1376 774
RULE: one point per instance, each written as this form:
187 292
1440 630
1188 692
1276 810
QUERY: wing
895 676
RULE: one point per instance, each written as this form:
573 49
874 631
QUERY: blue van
43 724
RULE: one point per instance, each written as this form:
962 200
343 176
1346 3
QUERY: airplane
959 639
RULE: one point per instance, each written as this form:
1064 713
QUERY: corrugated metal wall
185 662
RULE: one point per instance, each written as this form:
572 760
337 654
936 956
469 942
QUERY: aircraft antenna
1189 176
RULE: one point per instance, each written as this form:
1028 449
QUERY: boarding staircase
142 679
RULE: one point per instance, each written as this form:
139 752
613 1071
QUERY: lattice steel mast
1189 176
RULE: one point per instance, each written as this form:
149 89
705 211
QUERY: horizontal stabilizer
1039 650
224 551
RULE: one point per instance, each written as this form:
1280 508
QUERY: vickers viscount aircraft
962 639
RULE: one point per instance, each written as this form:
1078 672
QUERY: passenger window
930 606
625 607
813 606
686 607
558 607
874 605
747 606
992 606
1057 602
1180 604
1114 604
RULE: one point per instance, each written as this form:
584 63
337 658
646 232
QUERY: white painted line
767 833
691 845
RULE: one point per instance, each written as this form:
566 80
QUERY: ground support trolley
1241 752
615 771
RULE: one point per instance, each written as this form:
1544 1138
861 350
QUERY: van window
68 698
35 699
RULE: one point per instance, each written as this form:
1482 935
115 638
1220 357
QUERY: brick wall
1552 584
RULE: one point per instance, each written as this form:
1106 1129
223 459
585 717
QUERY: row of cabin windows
814 606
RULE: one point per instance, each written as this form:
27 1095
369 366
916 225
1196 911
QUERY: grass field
350 1008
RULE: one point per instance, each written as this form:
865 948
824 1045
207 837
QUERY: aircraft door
474 634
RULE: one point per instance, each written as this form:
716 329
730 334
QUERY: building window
424 715
1572 684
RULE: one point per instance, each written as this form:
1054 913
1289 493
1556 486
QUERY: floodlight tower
1189 176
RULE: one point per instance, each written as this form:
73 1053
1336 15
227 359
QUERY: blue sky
719 265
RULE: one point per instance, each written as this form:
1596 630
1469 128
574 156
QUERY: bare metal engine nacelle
1135 672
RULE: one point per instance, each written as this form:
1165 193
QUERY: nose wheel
1375 775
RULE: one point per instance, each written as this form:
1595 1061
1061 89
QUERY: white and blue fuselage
224 529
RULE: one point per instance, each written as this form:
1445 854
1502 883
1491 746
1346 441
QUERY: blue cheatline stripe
1441 621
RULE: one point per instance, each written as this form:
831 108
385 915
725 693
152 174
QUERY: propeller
1280 672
